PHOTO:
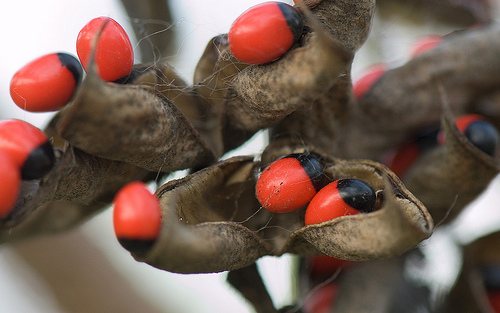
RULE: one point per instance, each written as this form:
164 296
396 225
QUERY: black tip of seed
72 64
293 19
39 162
311 164
357 194
139 246
483 135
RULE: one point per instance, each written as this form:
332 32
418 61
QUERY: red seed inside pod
47 83
264 32
289 183
478 131
114 55
28 147
10 183
136 217
339 198
367 79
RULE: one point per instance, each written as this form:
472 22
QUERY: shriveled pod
213 222
196 106
258 96
131 124
452 175
383 102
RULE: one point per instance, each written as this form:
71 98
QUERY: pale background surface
32 28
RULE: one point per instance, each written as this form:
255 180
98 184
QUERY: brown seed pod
196 106
213 222
132 124
261 96
449 177
453 64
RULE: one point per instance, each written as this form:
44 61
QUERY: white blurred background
32 28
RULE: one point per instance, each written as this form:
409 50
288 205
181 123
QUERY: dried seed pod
398 224
215 70
200 221
347 21
213 222
261 96
449 177
195 106
453 64
132 124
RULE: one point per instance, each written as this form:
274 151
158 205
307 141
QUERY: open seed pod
212 221
132 124
452 175
453 64
263 95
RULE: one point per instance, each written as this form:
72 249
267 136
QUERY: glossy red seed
367 79
264 32
403 158
325 266
27 146
114 55
424 44
289 183
47 83
340 198
10 183
136 216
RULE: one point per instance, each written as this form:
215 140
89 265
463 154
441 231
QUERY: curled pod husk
203 229
450 176
213 222
213 75
453 64
347 21
131 124
162 77
330 114
399 224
